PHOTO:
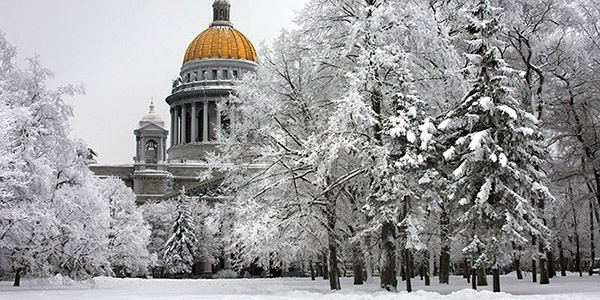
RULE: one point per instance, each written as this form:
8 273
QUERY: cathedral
166 163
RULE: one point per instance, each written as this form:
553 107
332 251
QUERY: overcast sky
124 52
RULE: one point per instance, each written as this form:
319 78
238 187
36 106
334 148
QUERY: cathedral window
188 77
195 76
204 75
151 149
225 74
235 73
214 75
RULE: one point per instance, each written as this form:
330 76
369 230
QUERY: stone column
194 122
159 151
219 129
176 127
205 134
164 149
143 150
138 155
184 132
172 127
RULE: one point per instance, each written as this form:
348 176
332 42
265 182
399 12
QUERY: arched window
151 152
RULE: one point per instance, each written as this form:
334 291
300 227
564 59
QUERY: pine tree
180 249
493 143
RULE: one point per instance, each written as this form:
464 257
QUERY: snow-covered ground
571 287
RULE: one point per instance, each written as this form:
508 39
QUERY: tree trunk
325 267
517 266
592 241
533 270
474 279
496 280
551 266
481 277
358 265
368 263
533 261
388 255
445 265
334 274
445 248
577 245
561 257
426 271
543 270
408 269
18 277
468 271
312 271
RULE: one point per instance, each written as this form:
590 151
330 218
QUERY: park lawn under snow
571 287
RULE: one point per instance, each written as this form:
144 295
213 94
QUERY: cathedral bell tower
150 178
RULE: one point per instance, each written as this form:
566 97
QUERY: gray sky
124 52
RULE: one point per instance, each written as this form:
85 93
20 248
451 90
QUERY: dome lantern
221 10
221 40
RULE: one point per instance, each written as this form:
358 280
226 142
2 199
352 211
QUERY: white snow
486 103
571 287
508 110
476 139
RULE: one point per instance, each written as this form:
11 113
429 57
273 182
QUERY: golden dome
220 42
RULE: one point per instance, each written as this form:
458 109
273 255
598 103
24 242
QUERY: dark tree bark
312 271
388 266
577 245
533 262
325 267
533 270
474 279
543 270
426 273
592 242
496 280
445 248
561 258
517 266
358 265
468 271
408 270
481 277
334 274
551 266
18 277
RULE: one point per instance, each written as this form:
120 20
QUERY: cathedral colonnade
195 122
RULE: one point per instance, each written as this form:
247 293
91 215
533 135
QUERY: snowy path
571 288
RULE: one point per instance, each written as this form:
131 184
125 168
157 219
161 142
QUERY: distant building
213 60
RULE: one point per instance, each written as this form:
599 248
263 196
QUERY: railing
200 85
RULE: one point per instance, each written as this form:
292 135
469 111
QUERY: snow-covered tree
160 217
180 249
128 235
53 216
492 141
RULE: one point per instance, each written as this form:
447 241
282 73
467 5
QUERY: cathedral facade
168 160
